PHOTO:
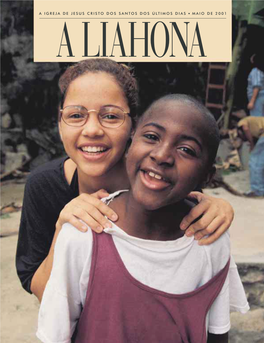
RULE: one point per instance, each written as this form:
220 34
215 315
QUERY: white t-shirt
177 267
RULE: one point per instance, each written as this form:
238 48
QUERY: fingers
89 210
212 231
214 236
205 213
210 218
89 200
102 193
193 215
207 224
68 217
209 229
196 196
77 223
92 217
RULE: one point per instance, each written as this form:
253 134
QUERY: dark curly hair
122 74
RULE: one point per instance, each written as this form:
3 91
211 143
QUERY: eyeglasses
108 116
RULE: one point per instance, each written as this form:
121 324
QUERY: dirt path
18 309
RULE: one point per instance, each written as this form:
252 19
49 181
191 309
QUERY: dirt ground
19 309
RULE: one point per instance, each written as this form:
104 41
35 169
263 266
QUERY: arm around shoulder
42 274
211 216
35 231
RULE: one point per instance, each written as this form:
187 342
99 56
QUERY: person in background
251 129
255 88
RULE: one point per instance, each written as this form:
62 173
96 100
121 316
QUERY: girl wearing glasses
98 111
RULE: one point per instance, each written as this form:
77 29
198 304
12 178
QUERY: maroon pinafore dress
120 309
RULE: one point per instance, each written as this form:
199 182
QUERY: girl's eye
76 115
109 117
188 151
151 136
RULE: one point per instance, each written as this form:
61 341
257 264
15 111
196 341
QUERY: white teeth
92 148
156 176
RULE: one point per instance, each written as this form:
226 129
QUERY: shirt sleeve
64 295
231 298
46 193
257 78
35 231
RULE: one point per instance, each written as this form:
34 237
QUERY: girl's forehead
91 77
92 86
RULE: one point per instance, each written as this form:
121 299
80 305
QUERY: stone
253 276
42 158
4 107
6 121
255 292
251 321
247 328
18 120
14 160
238 180
246 337
225 147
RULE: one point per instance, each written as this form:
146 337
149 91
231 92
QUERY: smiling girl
97 115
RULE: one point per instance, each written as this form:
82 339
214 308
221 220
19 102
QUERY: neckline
73 185
74 182
148 244
159 292
152 245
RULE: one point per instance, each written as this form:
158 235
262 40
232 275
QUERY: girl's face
94 148
168 156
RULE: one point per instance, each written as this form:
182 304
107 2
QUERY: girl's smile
95 149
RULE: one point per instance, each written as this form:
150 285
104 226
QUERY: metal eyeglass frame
88 111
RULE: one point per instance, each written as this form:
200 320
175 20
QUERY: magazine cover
103 96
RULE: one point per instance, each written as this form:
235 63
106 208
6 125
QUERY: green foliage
246 10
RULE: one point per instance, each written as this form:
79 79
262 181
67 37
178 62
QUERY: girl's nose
163 155
92 127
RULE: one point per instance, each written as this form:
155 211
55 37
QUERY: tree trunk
233 68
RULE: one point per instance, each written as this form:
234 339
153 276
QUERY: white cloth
176 267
